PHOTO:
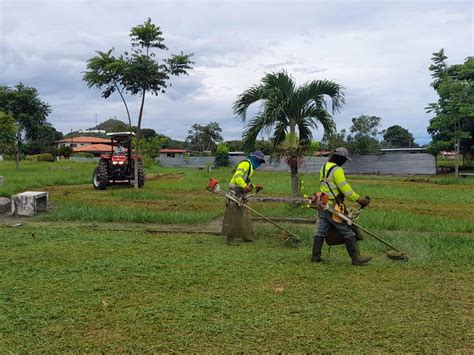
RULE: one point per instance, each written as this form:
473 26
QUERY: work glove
258 188
363 201
249 188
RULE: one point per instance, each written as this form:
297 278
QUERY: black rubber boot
317 246
353 250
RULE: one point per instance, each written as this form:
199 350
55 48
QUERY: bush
222 155
148 161
65 151
40 157
84 155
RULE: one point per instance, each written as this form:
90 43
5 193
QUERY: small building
172 153
77 142
402 150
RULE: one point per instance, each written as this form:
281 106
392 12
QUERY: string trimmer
214 187
321 202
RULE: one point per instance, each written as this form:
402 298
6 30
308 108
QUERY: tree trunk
294 175
137 150
17 156
294 162
458 141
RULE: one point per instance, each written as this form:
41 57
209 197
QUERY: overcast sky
379 51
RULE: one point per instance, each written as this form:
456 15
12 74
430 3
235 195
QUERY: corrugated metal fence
389 163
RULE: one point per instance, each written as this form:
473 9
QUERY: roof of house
173 151
84 139
93 148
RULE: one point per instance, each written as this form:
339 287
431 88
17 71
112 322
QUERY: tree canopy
23 104
137 72
452 126
204 137
398 137
363 137
288 109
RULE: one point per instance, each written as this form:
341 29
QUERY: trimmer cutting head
397 255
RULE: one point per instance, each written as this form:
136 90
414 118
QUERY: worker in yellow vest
334 184
237 224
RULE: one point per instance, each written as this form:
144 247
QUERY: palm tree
288 109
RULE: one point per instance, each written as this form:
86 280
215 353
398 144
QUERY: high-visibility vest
243 174
331 177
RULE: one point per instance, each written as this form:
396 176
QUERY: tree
138 72
286 108
453 123
363 137
204 138
398 137
29 112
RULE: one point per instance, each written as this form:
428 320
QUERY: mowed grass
77 279
82 290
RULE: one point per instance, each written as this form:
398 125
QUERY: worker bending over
334 184
237 225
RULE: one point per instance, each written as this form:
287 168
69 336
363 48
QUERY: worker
337 188
120 150
237 224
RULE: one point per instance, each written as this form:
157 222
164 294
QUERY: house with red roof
173 153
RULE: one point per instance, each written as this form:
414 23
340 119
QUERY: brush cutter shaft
351 222
236 200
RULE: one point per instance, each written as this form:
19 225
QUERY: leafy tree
138 72
286 108
398 137
152 146
235 145
29 112
204 138
453 123
8 129
333 140
42 140
222 155
363 137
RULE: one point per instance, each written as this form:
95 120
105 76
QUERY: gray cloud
379 52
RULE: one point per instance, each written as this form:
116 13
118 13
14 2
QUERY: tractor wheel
100 178
141 175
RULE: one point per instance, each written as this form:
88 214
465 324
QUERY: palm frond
247 98
318 90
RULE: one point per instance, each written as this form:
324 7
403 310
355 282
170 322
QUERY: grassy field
92 275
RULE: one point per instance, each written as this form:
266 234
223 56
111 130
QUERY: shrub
40 157
148 161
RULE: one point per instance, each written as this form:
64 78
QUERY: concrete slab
28 203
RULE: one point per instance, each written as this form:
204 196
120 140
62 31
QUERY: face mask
256 163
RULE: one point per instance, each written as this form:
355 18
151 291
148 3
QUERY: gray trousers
325 223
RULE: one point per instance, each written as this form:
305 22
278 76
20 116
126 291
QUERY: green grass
77 279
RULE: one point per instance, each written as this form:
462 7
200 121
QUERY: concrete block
4 205
28 203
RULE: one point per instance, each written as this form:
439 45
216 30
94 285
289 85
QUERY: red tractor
117 166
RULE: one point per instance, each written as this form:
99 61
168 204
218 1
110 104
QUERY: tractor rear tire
100 178
141 174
